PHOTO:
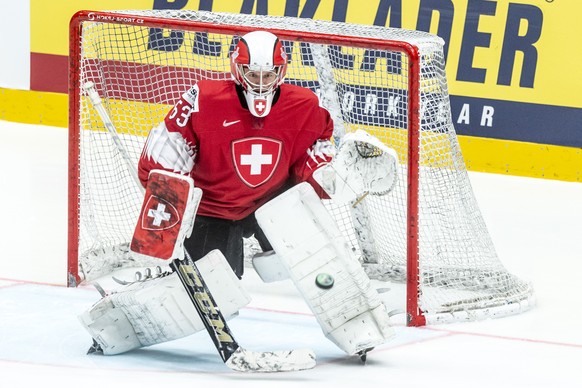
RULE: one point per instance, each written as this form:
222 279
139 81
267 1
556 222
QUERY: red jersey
238 160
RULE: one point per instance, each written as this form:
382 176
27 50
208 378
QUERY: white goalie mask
258 64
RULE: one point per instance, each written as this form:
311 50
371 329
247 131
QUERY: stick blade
278 361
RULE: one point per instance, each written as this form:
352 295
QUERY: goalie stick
233 355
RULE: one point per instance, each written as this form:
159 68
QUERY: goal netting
427 234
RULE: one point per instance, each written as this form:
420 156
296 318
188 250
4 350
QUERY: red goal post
427 235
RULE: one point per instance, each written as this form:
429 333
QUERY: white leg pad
158 310
308 242
269 267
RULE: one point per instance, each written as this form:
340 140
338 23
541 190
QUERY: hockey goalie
245 169
308 249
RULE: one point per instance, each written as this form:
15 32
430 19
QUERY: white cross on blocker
256 159
159 214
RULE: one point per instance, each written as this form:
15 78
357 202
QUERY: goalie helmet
258 64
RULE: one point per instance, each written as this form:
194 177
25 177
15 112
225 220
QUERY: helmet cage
259 64
259 80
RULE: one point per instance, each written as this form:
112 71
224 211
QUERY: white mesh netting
141 70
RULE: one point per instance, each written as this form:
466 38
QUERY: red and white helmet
259 63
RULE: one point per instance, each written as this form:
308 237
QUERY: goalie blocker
167 216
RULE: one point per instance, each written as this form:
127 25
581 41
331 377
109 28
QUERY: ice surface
536 225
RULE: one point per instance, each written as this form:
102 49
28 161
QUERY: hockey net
427 234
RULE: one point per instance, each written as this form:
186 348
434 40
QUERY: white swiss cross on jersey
256 158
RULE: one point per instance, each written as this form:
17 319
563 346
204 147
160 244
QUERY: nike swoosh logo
229 123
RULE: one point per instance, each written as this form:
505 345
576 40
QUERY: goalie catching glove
363 164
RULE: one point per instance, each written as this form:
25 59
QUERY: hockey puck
324 280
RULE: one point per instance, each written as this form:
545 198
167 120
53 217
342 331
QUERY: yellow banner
513 66
518 50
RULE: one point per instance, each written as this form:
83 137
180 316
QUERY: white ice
536 226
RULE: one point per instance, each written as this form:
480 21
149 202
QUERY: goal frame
415 316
